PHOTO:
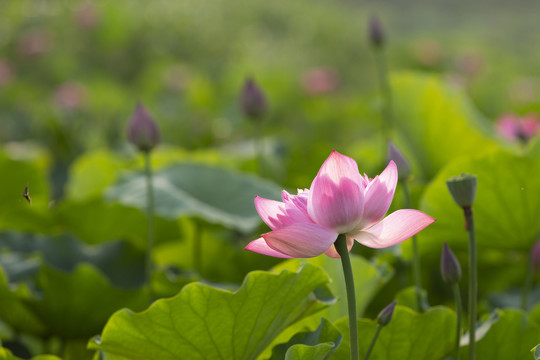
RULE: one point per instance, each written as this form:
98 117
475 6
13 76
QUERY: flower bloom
513 127
339 201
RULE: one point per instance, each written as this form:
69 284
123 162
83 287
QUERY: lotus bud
376 32
450 267
142 130
535 254
463 189
404 169
252 100
385 316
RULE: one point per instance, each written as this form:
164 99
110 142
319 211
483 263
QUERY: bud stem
197 245
528 282
373 341
386 92
459 314
473 280
150 215
341 248
416 256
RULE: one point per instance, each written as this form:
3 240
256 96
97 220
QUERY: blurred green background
71 71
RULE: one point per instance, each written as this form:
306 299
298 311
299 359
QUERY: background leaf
316 345
436 122
409 336
506 208
213 194
511 337
202 322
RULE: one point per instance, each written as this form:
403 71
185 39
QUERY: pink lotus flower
340 201
513 127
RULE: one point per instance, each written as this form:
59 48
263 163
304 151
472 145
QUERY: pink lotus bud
376 32
142 130
450 267
404 169
385 316
252 100
535 254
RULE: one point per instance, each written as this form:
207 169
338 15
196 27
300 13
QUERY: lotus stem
416 256
528 283
373 341
341 247
197 245
459 315
386 92
473 280
150 215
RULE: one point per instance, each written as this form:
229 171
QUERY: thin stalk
150 215
473 281
197 245
386 92
416 256
528 283
459 312
373 341
258 138
341 247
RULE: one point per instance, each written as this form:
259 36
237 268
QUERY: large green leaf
368 279
203 322
506 208
536 352
436 122
315 345
510 337
409 336
214 194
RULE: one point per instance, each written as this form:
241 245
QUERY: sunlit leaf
368 279
436 122
506 208
409 336
202 322
510 337
316 345
210 193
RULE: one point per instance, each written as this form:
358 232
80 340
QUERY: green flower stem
386 92
459 315
416 256
528 283
341 247
150 215
473 280
373 341
197 245
258 137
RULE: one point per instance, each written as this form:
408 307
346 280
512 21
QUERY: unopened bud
376 32
450 267
142 130
404 169
385 316
463 189
252 100
535 256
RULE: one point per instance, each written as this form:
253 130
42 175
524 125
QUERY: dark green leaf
213 194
